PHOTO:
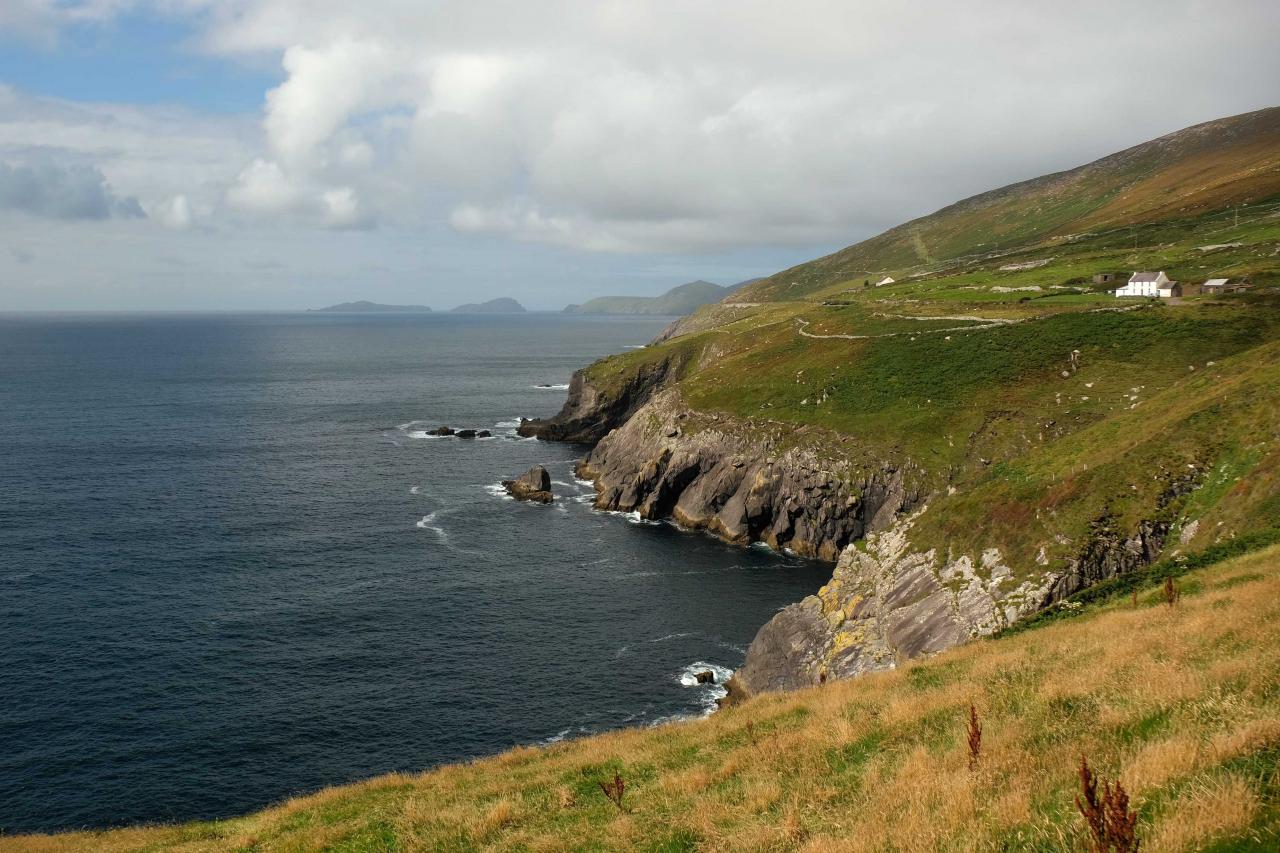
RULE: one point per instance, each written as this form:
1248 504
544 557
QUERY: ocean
234 568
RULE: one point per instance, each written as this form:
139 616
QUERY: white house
886 280
1150 284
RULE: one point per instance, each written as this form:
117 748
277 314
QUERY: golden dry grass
1181 704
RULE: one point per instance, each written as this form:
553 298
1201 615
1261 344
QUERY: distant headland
501 305
366 307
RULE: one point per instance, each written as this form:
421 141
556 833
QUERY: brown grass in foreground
1178 705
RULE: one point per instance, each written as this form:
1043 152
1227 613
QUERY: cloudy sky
223 154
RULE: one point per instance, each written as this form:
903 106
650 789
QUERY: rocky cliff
820 495
887 603
594 407
798 490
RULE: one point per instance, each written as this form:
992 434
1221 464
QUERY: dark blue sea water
232 569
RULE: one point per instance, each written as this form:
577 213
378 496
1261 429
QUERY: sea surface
234 568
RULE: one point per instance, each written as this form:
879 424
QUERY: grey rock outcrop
887 603
590 411
732 479
532 485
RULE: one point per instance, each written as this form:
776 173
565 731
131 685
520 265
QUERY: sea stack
532 485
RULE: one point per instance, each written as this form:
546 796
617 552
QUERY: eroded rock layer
742 482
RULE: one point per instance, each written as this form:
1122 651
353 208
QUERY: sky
286 154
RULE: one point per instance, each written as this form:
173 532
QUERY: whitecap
564 734
413 490
558 387
499 491
711 691
632 517
425 523
679 636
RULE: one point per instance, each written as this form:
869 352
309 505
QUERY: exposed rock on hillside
591 410
886 603
717 475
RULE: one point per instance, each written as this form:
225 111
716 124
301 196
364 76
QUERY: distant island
681 300
501 305
366 307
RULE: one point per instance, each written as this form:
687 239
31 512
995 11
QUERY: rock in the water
444 430
484 433
465 433
533 485
705 677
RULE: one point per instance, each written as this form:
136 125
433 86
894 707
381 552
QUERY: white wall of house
1158 286
1139 288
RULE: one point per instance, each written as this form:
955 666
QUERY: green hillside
1180 703
1179 177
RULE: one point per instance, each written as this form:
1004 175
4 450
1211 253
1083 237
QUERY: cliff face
822 498
819 495
887 603
591 409
737 481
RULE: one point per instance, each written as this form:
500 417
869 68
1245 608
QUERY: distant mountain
364 306
684 299
501 305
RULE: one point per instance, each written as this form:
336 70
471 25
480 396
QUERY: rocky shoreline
818 495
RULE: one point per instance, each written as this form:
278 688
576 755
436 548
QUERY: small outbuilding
1104 277
1224 285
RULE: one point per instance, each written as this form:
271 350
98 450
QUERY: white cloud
263 188
342 209
174 212
670 125
657 127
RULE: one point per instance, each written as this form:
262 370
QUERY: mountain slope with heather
1205 168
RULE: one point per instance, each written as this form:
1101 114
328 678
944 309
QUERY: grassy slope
1182 703
1204 168
988 411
